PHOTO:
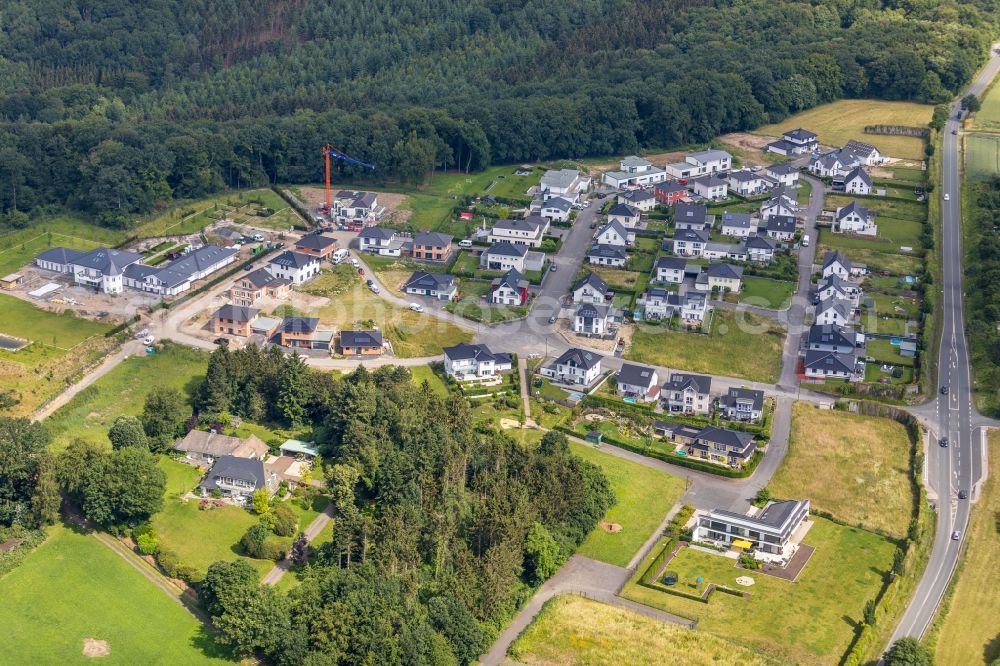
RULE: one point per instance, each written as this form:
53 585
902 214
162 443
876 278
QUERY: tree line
982 288
113 109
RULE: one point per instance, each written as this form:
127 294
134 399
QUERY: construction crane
331 152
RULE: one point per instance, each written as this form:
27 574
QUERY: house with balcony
747 183
693 217
782 173
614 233
738 225
710 186
670 193
234 320
742 404
567 183
641 200
771 535
759 249
687 394
465 362
732 448
295 267
317 245
638 382
556 209
238 478
688 243
855 219
700 163
258 284
441 286
575 367
509 289
832 338
102 269
383 241
833 365
595 320
591 289
432 246
625 215
505 256
529 231
634 171
608 255
304 333
794 142
669 270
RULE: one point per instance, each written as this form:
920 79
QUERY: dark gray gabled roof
858 172
317 242
781 224
690 235
732 438
735 394
591 311
595 282
759 243
531 224
432 281
360 339
830 361
637 195
432 239
245 469
781 168
615 226
366 200
378 233
511 279
835 304
836 256
579 358
60 255
832 335
855 207
292 259
236 313
299 324
670 187
859 148
670 263
107 261
623 210
608 252
636 375
558 203
507 249
782 145
709 180
725 271
690 213
738 220
463 351
262 278
680 381
743 176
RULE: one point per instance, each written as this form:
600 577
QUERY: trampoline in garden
669 578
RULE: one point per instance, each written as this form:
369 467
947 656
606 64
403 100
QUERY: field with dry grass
574 630
855 467
838 122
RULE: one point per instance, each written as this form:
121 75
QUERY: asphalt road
960 465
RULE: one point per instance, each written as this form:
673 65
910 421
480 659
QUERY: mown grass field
838 122
61 331
19 248
472 304
766 293
861 466
73 588
809 621
123 391
722 352
988 117
421 373
874 253
968 635
575 630
982 155
645 496
352 305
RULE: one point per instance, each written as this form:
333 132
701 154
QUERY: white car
258 237
355 262
947 197
416 307
374 288
148 340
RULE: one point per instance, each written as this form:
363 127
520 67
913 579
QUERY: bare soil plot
394 203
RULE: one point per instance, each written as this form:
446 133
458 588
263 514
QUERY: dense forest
113 108
982 289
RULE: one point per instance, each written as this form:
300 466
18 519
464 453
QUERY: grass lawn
838 122
968 635
903 210
989 115
123 391
767 293
353 305
982 158
548 390
426 373
202 537
20 247
618 280
73 588
181 478
864 462
575 630
473 306
645 495
722 352
877 255
884 350
62 331
809 621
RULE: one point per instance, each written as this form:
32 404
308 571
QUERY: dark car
370 282
963 495
222 341
943 442
247 266
552 319
944 390
956 535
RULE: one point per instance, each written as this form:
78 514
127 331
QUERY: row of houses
832 346
423 246
294 332
843 161
689 394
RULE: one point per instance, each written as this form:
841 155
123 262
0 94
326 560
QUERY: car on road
369 282
954 131
552 268
552 319
943 442
963 494
416 307
956 535
947 197
148 340
247 266
374 288
355 262
533 355
222 341
944 390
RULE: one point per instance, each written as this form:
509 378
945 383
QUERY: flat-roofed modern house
638 382
295 267
304 333
467 362
529 231
575 367
361 343
296 448
505 256
770 535
568 183
697 164
635 171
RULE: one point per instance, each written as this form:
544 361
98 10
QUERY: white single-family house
747 183
780 227
834 311
436 285
530 231
692 216
835 263
669 269
556 209
608 255
624 215
614 233
738 225
591 319
295 267
567 183
638 382
759 249
857 181
635 172
687 393
831 365
710 187
575 367
590 289
642 200
725 277
855 219
509 289
465 362
689 243
702 162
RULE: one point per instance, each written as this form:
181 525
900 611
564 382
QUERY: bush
190 575
168 560
286 523
253 540
749 562
272 549
146 543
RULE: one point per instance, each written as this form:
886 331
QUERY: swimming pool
895 342
10 343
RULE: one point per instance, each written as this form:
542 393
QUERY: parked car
355 262
148 340
416 307
222 341
247 266
370 282
552 319
552 268
374 288
258 237
465 242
